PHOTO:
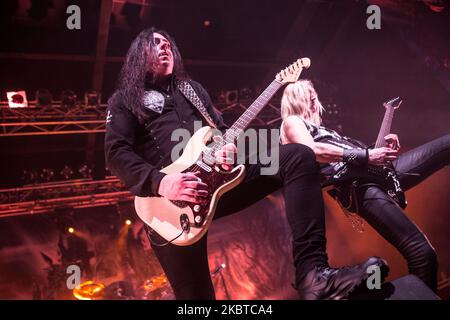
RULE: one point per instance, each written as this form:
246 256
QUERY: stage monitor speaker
406 288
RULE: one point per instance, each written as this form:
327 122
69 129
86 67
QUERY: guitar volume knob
197 208
198 219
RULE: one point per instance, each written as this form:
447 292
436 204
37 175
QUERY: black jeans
389 220
187 266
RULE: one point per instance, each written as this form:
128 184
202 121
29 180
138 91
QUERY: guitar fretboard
250 114
246 118
385 126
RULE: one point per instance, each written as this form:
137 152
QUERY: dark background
244 45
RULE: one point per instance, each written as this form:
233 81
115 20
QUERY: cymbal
89 290
155 283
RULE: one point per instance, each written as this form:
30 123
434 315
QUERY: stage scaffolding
50 120
76 194
58 119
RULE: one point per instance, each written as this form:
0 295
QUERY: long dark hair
139 66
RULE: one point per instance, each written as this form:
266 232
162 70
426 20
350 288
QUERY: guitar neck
385 126
250 114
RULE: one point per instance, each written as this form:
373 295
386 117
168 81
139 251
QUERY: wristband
357 157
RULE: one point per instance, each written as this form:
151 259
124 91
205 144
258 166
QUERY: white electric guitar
181 222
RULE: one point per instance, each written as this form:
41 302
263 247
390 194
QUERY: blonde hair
300 99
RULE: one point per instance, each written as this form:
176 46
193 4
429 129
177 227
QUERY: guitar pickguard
214 178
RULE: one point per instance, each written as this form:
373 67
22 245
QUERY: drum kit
155 288
89 290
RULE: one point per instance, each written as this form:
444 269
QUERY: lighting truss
56 119
83 193
51 120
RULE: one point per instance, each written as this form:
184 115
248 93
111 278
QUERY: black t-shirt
136 150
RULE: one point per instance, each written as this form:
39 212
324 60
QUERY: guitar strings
232 133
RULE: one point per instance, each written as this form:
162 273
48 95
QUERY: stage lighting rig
68 99
17 99
91 99
43 98
66 172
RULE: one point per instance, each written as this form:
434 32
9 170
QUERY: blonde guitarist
375 199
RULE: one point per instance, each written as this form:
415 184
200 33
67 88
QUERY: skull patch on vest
154 100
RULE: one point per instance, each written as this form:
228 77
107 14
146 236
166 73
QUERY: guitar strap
190 94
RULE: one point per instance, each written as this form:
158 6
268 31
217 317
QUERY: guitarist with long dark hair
147 107
356 173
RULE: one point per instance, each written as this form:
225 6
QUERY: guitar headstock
394 103
292 73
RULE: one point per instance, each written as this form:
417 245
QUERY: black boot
324 283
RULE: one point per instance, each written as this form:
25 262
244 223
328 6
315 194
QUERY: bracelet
357 157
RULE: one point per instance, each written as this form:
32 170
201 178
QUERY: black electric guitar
344 177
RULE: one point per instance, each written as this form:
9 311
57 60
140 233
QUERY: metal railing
47 197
